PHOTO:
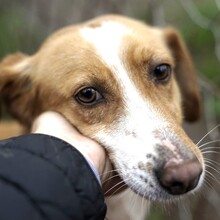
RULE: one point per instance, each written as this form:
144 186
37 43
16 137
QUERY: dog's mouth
160 176
168 182
160 163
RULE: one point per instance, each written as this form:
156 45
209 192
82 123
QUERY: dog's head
124 84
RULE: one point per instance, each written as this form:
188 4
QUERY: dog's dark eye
88 96
162 73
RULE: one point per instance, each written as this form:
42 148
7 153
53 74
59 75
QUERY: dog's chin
158 195
154 192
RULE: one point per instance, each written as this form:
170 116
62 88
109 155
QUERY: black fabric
44 178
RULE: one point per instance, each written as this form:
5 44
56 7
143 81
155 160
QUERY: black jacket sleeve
45 178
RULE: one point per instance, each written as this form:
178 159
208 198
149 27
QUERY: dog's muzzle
179 177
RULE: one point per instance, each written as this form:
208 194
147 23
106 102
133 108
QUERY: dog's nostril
179 177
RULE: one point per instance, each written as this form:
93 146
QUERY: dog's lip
154 195
159 194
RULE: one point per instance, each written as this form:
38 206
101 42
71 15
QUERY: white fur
140 118
131 121
132 137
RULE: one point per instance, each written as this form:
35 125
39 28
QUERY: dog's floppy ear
16 87
185 75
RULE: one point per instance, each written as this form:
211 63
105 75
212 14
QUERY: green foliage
215 107
17 33
207 8
155 215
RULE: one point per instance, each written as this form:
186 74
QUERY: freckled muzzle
179 170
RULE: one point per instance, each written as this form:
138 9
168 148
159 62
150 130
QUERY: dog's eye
88 96
162 73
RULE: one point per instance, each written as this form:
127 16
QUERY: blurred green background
24 24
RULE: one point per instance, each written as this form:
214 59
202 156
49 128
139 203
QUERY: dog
126 85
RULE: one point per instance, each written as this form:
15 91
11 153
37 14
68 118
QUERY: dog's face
124 84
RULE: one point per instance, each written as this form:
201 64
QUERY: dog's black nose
179 177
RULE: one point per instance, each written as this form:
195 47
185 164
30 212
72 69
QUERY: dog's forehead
107 39
112 40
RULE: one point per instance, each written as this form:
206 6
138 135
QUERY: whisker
212 161
210 142
143 202
209 148
123 181
210 175
207 134
186 214
134 202
212 187
132 205
114 176
213 168
210 184
110 171
139 196
116 189
210 152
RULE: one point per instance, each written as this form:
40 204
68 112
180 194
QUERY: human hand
54 124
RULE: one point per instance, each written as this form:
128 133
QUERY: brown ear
16 87
185 75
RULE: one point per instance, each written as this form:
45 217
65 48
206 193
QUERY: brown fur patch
141 58
71 70
185 75
65 63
